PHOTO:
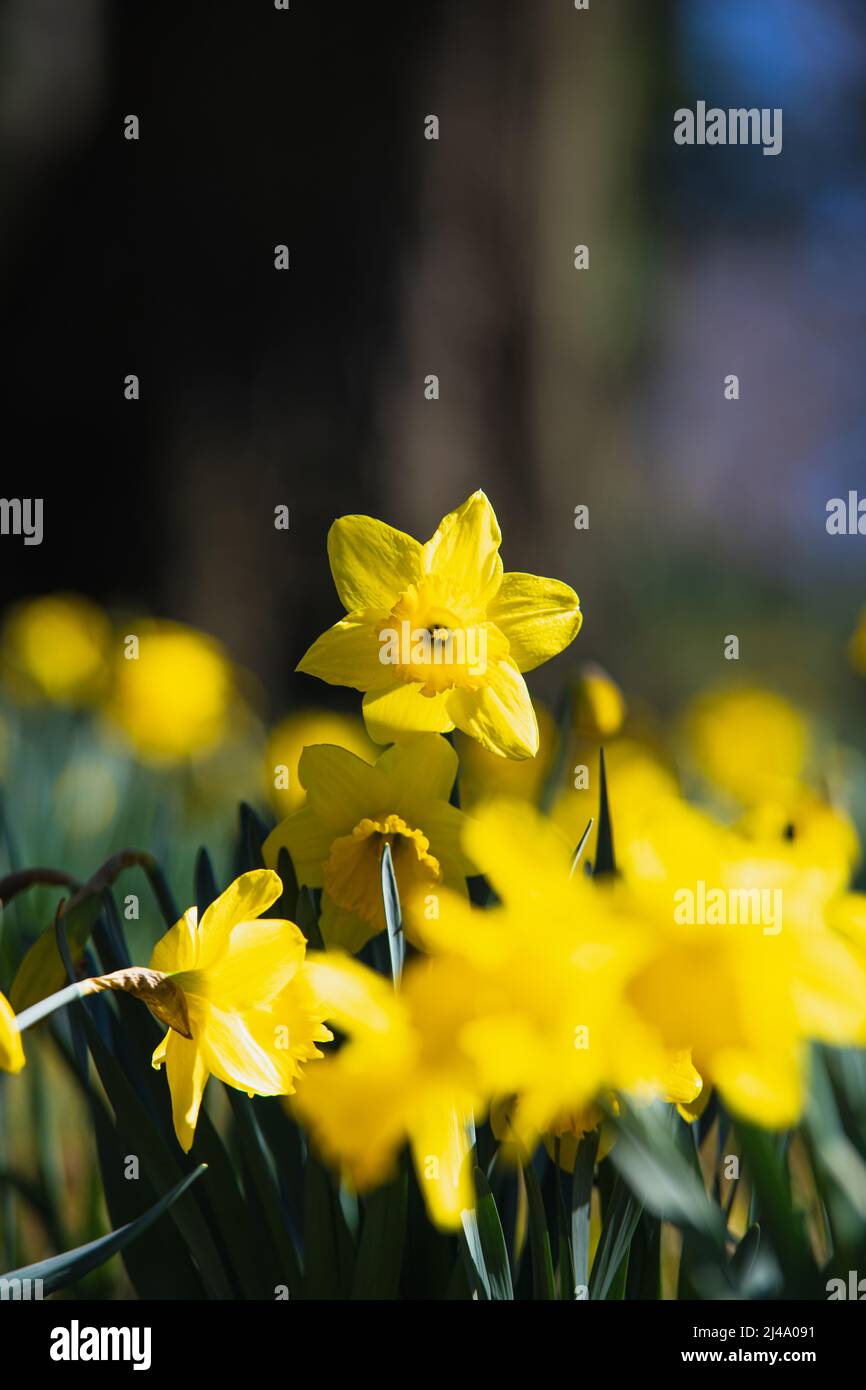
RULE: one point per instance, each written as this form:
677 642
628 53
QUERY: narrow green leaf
206 890
380 1248
620 1224
393 916
581 1207
543 1284
492 1241
605 860
286 1266
63 1270
307 918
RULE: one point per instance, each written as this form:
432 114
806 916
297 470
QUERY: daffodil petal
444 825
178 949
248 897
538 616
499 715
308 841
259 961
341 788
372 563
682 1081
401 712
234 1056
441 1150
465 549
187 1078
537 850
354 997
766 1089
11 1050
344 930
349 653
418 773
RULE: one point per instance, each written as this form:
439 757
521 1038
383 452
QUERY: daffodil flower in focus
353 810
238 999
11 1051
400 1077
436 635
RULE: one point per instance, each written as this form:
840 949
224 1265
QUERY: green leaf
605 860
492 1241
743 1258
581 1206
307 918
254 832
781 1222
329 1253
62 1270
649 1158
285 1267
620 1223
380 1248
543 1284
289 879
581 845
206 890
393 916
41 971
139 1135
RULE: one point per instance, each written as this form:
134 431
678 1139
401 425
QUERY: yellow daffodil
746 971
549 972
235 990
56 648
400 1078
353 810
748 743
11 1051
436 635
292 735
173 693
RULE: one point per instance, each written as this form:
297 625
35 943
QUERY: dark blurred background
455 257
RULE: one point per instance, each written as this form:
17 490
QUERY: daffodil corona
436 635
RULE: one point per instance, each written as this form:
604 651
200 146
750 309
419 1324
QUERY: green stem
37 1012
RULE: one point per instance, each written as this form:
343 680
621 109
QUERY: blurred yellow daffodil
56 648
748 743
401 1077
173 692
599 704
353 810
436 635
11 1051
746 971
235 989
548 972
288 739
637 778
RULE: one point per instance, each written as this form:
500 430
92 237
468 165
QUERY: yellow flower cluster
169 691
714 956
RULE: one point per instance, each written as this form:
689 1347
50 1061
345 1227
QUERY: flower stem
37 1012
